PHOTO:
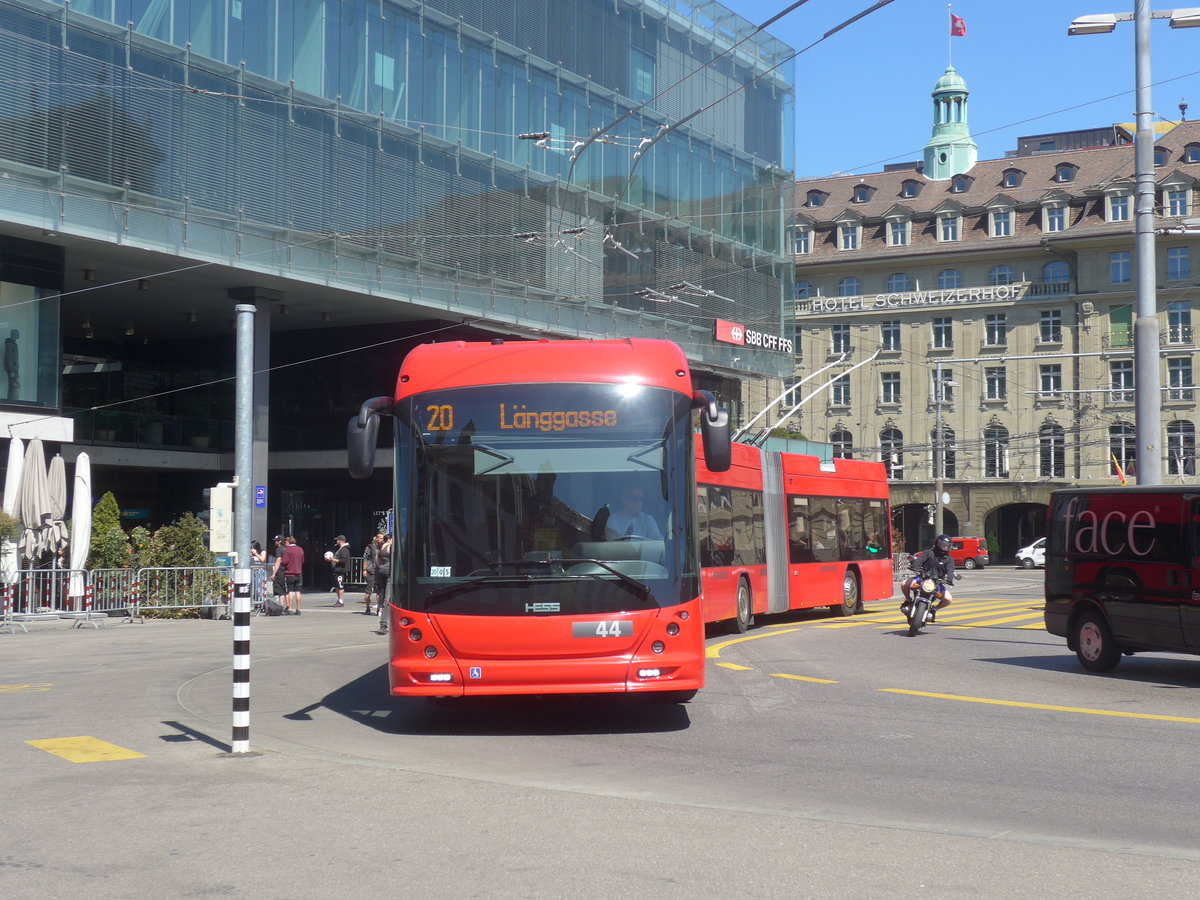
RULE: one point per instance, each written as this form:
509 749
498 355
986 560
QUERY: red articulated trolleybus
545 538
784 531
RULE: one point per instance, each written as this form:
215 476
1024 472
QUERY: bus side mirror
714 432
362 436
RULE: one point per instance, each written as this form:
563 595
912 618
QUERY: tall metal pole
1147 389
938 452
242 505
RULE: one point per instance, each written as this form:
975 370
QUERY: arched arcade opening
1015 525
912 521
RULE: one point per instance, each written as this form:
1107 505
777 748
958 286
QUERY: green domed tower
950 150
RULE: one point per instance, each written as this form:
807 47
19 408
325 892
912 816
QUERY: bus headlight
441 676
649 673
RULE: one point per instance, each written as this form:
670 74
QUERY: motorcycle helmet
941 544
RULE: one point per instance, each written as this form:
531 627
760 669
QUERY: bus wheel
851 595
1094 643
745 608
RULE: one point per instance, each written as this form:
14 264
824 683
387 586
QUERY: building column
262 298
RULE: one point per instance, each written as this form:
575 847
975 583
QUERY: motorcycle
925 597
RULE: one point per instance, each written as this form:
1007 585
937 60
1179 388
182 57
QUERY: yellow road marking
714 651
84 749
952 623
1070 709
734 666
802 678
18 688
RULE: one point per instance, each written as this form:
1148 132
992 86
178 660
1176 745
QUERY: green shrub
993 543
10 528
109 548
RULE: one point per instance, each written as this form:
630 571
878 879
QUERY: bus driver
631 520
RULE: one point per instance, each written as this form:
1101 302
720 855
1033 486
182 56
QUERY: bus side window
1194 534
799 532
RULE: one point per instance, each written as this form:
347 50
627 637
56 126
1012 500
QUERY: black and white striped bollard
241 660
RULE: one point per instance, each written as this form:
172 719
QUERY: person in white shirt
631 520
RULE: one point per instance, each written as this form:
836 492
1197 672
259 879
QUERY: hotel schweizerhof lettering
913 298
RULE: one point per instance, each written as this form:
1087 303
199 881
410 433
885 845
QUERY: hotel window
804 290
816 198
1050 380
841 338
1001 275
943 333
889 333
1050 330
943 385
862 194
1191 153
1178 264
995 451
949 450
1181 448
849 239
1118 208
1177 202
898 232
996 379
1179 322
948 228
960 184
803 241
1011 178
995 330
890 385
1001 223
1160 156
1120 379
1118 267
1179 377
1064 172
891 452
841 391
898 283
1052 445
949 279
1056 272
849 287
1122 447
1055 218
843 443
909 189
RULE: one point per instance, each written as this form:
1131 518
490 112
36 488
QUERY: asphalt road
827 757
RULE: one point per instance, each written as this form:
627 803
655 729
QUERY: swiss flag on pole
958 27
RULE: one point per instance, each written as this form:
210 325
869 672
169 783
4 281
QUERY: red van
1123 571
969 552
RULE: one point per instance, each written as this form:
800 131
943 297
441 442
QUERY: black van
1123 571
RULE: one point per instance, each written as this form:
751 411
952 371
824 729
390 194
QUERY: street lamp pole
1147 389
939 452
1147 384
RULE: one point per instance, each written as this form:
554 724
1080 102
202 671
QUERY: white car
1033 555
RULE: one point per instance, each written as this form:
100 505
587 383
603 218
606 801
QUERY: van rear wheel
969 563
1094 643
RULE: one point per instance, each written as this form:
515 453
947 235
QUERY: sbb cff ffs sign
733 333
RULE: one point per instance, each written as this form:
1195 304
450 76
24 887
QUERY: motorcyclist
935 563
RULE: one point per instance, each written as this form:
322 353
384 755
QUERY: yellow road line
714 652
952 623
802 678
84 749
1070 709
734 666
20 688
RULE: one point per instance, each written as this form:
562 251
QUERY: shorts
339 582
279 585
293 582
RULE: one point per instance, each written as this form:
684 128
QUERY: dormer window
1011 178
848 236
1001 222
862 193
1191 153
803 237
1161 156
1064 172
960 184
1054 217
898 231
1118 207
948 227
816 198
910 188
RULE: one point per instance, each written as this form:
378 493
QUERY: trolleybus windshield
537 499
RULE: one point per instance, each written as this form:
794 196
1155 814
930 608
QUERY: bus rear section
786 531
1123 571
545 524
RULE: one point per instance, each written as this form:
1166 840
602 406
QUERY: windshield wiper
480 577
638 587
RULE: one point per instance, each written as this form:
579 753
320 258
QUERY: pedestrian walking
383 581
370 570
276 570
293 570
340 562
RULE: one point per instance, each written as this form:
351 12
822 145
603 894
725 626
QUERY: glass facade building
436 153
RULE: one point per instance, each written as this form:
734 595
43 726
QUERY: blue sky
863 95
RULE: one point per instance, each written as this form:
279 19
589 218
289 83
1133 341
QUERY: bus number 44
619 628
